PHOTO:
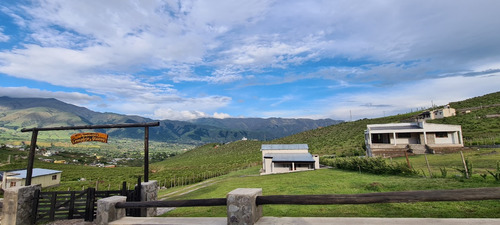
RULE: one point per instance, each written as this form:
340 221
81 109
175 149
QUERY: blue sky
183 60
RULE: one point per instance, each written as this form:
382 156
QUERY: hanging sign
82 137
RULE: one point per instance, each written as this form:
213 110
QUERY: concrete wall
268 165
46 181
149 192
282 167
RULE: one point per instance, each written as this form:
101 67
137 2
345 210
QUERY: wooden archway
34 136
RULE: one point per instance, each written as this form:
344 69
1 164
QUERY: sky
182 60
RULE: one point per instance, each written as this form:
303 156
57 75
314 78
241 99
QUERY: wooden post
146 154
36 199
407 160
89 206
72 206
31 158
465 165
52 210
124 188
428 167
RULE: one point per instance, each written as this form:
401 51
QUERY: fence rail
469 194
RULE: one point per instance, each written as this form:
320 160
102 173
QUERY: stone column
242 207
106 211
149 192
18 205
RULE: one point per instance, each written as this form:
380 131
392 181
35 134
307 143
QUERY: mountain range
18 113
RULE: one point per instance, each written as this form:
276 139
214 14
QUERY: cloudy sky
185 59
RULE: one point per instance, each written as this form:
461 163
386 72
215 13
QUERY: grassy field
481 160
331 181
190 167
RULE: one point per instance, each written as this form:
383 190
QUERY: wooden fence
470 194
63 205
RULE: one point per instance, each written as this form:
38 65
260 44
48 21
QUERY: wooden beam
470 194
106 126
176 203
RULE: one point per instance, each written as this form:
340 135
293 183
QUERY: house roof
411 127
37 172
304 157
285 147
404 127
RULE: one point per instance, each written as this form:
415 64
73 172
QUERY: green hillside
348 138
190 167
210 158
479 118
342 139
11 121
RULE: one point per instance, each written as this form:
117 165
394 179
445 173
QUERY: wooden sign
82 137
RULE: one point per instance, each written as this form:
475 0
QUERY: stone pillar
149 192
242 207
106 211
18 205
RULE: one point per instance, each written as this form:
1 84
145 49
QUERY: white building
447 111
394 139
45 177
284 158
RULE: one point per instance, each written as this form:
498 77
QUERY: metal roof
407 127
285 147
304 157
36 173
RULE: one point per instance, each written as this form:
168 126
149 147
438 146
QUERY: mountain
271 128
18 113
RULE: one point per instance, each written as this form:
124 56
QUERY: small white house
446 111
284 158
45 177
394 139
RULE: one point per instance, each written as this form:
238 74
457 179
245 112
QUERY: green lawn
330 181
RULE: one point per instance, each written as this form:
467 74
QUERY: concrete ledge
170 220
305 221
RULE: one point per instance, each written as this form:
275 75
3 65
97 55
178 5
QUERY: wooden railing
470 194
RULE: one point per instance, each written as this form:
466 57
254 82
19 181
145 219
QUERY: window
403 135
54 177
441 135
13 183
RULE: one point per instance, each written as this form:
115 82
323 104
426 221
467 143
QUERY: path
182 191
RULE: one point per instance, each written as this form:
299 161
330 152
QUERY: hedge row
369 165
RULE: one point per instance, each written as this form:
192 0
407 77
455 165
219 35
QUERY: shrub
369 165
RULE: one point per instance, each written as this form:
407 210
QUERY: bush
369 165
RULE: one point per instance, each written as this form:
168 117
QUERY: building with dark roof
284 158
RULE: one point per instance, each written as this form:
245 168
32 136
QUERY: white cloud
139 55
407 97
68 97
3 37
170 114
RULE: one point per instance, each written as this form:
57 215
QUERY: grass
330 181
482 160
